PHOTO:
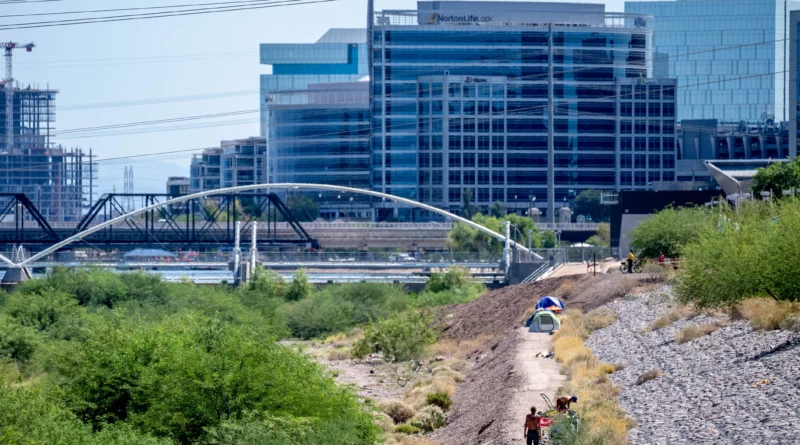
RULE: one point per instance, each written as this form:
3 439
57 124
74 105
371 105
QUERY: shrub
16 342
300 287
403 337
339 354
429 418
398 411
694 331
669 231
566 290
41 311
440 399
765 313
647 376
792 323
267 283
669 318
600 318
608 368
406 429
455 277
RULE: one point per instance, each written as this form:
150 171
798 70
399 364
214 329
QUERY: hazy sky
109 63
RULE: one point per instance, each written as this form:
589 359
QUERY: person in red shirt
533 428
661 259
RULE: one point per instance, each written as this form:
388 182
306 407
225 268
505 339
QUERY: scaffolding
55 178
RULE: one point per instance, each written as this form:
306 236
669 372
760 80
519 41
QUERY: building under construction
57 180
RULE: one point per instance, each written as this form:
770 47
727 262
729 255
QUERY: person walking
533 427
631 259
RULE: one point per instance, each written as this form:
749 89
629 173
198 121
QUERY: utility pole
507 250
237 252
8 82
253 248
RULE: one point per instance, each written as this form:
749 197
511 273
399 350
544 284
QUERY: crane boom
9 89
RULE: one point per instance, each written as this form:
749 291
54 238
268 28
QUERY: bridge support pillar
14 276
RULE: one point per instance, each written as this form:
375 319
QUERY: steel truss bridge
194 223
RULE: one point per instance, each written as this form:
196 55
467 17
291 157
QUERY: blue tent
547 302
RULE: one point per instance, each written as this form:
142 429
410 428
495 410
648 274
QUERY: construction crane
9 84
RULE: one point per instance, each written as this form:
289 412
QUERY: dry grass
694 331
339 354
649 375
452 348
765 313
602 418
792 323
417 396
397 411
567 290
670 317
600 318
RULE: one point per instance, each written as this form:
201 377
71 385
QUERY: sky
99 69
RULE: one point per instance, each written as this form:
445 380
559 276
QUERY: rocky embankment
709 392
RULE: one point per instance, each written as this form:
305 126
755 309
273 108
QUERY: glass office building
460 100
338 56
730 57
794 86
321 135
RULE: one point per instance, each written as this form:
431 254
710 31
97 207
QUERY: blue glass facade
321 135
465 106
730 57
794 84
338 56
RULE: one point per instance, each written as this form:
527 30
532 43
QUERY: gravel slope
706 395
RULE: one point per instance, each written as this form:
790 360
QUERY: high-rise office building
321 135
794 86
731 57
338 56
461 97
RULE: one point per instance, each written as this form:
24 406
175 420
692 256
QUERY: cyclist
631 259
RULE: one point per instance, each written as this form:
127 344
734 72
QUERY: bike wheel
638 268
623 268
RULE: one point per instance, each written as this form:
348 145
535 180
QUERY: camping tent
550 302
543 321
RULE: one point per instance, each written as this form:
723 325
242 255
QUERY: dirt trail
538 376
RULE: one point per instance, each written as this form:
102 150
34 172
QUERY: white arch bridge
510 244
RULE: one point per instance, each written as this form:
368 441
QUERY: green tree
300 287
303 207
602 237
467 239
670 231
549 239
498 209
777 177
588 203
267 283
468 209
399 338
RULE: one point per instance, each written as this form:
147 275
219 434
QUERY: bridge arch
247 188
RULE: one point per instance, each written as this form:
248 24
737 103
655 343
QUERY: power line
187 12
141 8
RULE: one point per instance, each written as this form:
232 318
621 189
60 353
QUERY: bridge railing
567 226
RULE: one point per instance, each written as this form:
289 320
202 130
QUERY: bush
17 342
694 331
669 318
403 337
455 277
300 287
337 308
792 323
647 376
41 311
267 283
600 318
440 399
765 313
406 429
669 231
429 418
339 354
398 411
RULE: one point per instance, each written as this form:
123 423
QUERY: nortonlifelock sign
477 12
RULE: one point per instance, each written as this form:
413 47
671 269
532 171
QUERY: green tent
543 321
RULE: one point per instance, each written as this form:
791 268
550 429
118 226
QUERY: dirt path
538 376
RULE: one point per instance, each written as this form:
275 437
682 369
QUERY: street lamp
530 207
338 203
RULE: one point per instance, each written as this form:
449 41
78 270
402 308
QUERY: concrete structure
708 140
338 56
205 171
730 57
734 176
177 185
56 178
243 162
461 93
